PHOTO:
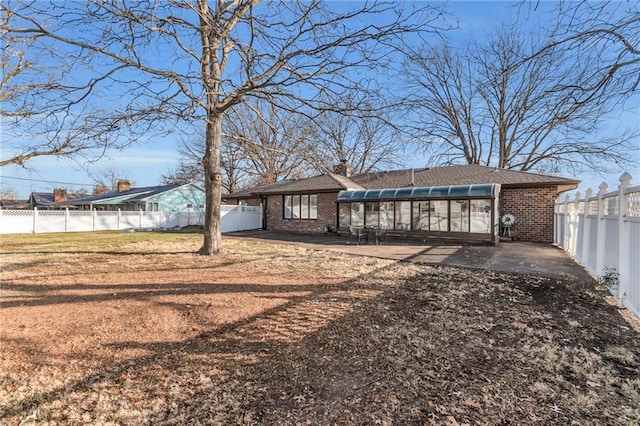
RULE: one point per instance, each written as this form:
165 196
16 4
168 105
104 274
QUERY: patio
515 257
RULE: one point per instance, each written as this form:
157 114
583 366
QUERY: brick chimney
124 185
59 194
343 169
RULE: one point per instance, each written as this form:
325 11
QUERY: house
461 201
13 204
166 198
47 200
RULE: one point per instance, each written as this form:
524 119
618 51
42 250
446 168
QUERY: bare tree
271 141
191 61
605 36
367 137
486 105
187 171
7 194
45 95
233 165
106 179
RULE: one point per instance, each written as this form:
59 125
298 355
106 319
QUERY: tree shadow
224 349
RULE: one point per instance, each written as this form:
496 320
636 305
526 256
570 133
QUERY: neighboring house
47 200
13 204
167 198
465 201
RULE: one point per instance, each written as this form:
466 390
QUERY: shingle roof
457 175
130 194
471 174
46 198
329 182
255 191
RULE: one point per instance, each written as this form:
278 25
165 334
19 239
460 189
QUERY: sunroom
459 211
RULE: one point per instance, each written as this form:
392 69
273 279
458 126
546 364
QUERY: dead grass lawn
135 329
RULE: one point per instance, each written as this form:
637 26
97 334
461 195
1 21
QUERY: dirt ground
112 328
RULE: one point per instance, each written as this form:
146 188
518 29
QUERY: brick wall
326 215
533 211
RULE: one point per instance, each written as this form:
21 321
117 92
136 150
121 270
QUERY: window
403 215
386 214
372 214
421 215
439 219
357 216
344 215
459 215
301 206
481 216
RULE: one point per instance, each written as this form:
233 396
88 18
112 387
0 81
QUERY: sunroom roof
421 193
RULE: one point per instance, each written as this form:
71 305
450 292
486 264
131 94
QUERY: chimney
124 185
343 169
59 194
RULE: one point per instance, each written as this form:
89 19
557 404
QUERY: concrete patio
515 257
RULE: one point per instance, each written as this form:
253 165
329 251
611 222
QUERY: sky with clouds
144 164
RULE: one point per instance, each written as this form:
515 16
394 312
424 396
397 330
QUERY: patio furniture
357 232
381 235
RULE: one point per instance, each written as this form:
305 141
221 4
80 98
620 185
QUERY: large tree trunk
213 186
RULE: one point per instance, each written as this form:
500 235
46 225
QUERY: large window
357 214
344 215
481 216
403 215
372 214
386 214
301 206
439 220
459 216
421 215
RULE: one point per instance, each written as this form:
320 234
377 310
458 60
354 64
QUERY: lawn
133 328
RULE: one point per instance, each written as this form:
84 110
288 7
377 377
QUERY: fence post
576 226
66 219
623 236
586 235
93 219
600 230
261 217
35 220
140 219
119 218
567 230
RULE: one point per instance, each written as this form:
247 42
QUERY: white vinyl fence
602 231
234 218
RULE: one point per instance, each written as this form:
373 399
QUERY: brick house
462 201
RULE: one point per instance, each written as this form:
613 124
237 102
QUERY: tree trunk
213 186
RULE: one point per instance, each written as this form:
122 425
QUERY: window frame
292 207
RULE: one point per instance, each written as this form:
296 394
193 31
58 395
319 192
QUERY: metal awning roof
421 193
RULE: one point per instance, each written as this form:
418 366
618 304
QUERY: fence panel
51 221
105 221
80 221
633 294
16 221
603 233
241 218
591 249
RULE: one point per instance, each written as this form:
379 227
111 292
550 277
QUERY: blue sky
145 163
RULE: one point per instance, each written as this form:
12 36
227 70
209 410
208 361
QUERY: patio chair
357 232
381 235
